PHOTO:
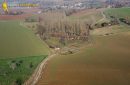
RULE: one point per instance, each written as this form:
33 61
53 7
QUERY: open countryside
79 42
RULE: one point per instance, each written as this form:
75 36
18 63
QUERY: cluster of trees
62 28
126 21
113 21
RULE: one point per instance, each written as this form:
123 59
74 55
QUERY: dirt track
37 73
104 17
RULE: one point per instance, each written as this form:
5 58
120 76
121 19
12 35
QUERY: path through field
37 73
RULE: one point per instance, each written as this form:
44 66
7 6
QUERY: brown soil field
14 17
27 12
106 62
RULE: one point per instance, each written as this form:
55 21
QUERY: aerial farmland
57 42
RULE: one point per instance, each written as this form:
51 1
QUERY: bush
19 81
104 24
21 61
18 64
31 65
13 61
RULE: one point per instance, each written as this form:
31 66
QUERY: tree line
59 26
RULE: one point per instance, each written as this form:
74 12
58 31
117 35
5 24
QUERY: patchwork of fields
104 61
20 52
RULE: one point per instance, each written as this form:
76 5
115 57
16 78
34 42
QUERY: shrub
13 61
21 61
19 81
18 64
31 65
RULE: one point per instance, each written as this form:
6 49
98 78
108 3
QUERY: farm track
104 17
100 20
37 73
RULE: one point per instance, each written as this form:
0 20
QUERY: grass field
118 12
20 52
16 40
9 76
104 62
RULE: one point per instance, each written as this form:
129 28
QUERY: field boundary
37 73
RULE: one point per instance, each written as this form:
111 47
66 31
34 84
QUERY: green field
105 61
118 12
9 76
16 41
20 52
